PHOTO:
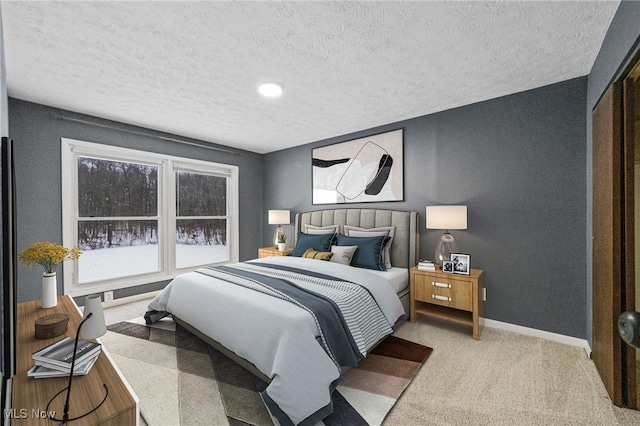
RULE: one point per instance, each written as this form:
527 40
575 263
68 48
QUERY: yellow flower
47 254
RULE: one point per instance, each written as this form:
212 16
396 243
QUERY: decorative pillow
354 231
318 255
317 242
329 229
369 253
343 254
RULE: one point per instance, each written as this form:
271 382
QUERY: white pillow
354 231
312 229
342 254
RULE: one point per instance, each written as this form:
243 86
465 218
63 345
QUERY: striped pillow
318 255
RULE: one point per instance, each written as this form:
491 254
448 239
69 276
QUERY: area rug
181 380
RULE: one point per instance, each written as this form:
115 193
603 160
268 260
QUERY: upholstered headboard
405 251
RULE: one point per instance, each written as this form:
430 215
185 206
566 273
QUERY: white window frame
167 164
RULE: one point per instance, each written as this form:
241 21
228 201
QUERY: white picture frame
461 263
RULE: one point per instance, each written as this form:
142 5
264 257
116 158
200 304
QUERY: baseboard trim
555 337
527 331
129 299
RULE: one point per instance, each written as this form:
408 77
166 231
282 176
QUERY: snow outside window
140 217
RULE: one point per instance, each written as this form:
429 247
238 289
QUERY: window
117 219
141 217
201 222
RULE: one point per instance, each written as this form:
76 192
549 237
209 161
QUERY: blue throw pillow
370 251
318 242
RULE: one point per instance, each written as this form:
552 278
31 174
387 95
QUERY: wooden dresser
453 297
30 396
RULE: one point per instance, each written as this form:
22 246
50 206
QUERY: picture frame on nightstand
461 263
447 266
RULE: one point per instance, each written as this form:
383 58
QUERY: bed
280 335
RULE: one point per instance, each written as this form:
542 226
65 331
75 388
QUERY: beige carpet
505 378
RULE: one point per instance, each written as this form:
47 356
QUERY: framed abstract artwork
362 170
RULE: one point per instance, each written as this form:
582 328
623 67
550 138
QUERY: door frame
628 300
613 255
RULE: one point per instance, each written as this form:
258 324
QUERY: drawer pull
443 285
443 298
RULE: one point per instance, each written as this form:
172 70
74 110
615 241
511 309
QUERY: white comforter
278 337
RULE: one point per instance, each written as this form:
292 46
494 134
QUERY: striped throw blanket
348 317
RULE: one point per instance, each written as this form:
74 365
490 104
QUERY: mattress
398 278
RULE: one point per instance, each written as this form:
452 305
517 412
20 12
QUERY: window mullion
99 218
69 215
169 210
203 217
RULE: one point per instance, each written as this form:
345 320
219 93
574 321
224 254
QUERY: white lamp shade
447 217
95 326
279 217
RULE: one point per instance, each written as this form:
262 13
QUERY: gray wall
37 132
618 48
518 163
4 112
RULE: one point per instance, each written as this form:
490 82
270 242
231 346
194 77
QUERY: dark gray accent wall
518 163
37 132
4 100
620 45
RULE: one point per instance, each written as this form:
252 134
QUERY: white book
427 267
60 353
40 371
65 370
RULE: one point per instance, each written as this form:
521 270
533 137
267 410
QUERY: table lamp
279 217
94 327
446 218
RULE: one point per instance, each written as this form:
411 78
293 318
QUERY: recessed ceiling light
270 90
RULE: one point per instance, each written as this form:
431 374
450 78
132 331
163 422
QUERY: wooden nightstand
453 297
272 251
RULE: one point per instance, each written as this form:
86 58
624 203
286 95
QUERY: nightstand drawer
450 292
439 296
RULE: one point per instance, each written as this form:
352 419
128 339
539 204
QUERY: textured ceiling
192 68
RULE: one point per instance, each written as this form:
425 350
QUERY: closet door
608 239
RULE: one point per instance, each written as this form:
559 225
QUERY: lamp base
446 245
278 231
